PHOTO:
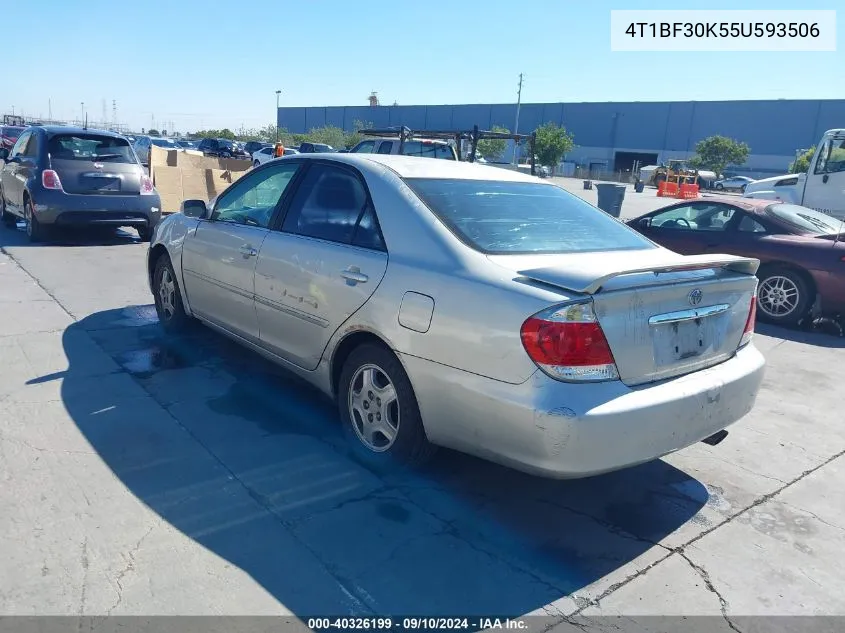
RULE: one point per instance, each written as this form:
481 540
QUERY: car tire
168 299
371 372
255 163
783 296
34 229
719 186
742 189
9 219
145 232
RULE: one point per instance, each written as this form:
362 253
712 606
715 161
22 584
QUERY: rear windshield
11 132
428 150
501 218
163 142
805 219
90 147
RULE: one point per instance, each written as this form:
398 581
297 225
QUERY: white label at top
723 30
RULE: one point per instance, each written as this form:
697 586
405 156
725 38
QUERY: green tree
493 148
353 137
801 164
328 134
552 144
224 133
717 152
153 132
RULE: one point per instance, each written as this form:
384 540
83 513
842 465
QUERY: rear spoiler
581 282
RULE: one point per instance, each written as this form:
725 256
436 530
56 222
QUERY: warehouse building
614 136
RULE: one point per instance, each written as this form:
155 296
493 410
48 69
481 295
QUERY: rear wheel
379 411
255 163
34 229
783 296
168 300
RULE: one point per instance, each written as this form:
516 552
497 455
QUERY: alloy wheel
374 408
778 296
167 293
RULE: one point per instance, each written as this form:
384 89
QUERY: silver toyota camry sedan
443 303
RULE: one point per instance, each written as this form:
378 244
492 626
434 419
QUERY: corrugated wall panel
676 132
831 115
502 114
465 116
291 119
314 117
438 117
641 125
335 115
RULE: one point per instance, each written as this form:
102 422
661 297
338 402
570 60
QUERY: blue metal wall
769 127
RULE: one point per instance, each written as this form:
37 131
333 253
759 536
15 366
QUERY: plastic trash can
610 198
588 184
639 187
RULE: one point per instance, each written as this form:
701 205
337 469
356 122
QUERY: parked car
443 303
267 153
802 251
415 147
220 147
187 144
65 176
144 143
734 183
253 146
9 135
311 148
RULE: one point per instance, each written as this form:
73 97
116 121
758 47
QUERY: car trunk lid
91 177
663 314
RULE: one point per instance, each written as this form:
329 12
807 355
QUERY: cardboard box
179 175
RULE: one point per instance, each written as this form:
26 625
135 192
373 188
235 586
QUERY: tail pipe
716 438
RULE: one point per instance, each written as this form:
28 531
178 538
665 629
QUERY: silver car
735 183
443 303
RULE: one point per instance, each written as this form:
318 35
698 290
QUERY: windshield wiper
101 156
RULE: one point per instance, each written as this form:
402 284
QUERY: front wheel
783 296
720 186
379 411
9 219
255 163
168 300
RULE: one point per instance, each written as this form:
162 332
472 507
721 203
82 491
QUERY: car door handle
248 251
353 275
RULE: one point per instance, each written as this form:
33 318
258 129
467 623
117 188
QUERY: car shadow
820 333
250 463
89 236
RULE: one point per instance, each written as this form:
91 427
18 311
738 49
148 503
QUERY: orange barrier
666 189
688 192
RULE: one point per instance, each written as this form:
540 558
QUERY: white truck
823 186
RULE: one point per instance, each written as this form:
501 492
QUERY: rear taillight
147 188
50 180
748 332
567 343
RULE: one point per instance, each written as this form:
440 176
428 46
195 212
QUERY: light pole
516 123
82 111
278 92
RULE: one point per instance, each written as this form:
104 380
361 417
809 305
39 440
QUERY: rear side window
386 147
332 204
90 147
502 218
364 147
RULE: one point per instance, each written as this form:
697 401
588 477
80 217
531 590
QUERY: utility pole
516 124
82 111
278 92
50 110
114 111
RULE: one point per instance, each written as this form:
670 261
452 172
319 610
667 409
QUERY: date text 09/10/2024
414 623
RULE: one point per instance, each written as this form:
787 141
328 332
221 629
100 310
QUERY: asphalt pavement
146 475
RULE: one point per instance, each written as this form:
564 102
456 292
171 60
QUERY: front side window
364 147
386 147
831 157
504 218
253 199
332 204
90 147
694 217
22 141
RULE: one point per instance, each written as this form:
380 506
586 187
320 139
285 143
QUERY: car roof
67 129
750 205
419 167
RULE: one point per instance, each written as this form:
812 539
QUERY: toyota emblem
695 297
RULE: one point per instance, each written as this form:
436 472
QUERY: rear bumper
69 209
565 430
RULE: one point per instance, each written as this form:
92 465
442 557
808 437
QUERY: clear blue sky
201 63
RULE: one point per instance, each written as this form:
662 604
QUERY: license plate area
680 342
103 183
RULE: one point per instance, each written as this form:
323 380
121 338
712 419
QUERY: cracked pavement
147 476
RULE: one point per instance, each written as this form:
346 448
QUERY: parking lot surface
145 475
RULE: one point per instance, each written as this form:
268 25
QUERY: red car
801 251
9 135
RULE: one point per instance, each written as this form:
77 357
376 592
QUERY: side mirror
194 209
4 154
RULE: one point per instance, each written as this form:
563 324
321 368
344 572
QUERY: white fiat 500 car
443 303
